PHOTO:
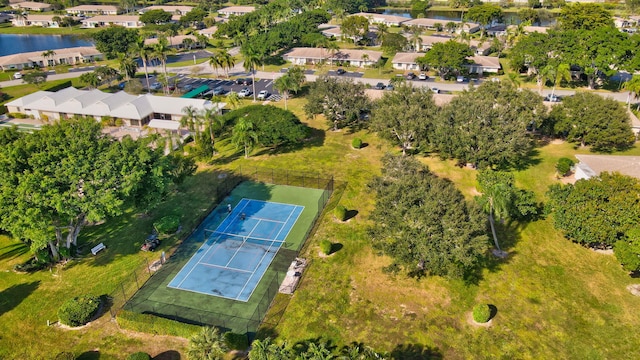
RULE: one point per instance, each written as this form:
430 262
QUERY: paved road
238 70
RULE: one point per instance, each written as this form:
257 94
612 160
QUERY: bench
96 249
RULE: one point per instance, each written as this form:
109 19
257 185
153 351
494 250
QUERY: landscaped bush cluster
140 355
341 213
167 225
79 310
564 166
356 143
236 341
155 325
481 313
18 115
325 246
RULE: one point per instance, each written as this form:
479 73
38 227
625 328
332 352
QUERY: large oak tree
56 181
340 100
424 223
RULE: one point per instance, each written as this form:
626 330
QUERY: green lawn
7 28
554 299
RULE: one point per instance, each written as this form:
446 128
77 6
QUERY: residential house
483 64
71 56
593 165
171 9
177 42
35 20
330 31
427 41
208 32
406 61
482 48
431 24
128 21
357 58
133 110
31 6
93 10
236 10
389 20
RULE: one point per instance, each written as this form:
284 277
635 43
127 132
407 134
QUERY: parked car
340 71
380 86
410 76
219 90
187 88
389 87
263 95
461 79
17 75
422 76
552 98
244 92
435 90
156 86
247 81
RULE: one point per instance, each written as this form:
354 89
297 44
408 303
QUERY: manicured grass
7 28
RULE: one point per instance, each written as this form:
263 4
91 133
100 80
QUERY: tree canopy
592 120
114 40
597 211
340 100
487 125
406 116
55 181
274 126
424 223
156 17
448 57
586 16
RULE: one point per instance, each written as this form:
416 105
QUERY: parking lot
184 84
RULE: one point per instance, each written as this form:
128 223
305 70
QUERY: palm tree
415 32
49 54
214 61
127 66
514 79
333 48
283 84
632 86
214 122
191 120
207 344
139 49
251 59
562 73
161 50
245 136
91 79
450 26
383 30
365 58
233 100
226 60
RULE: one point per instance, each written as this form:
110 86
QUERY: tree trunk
253 76
74 230
146 74
54 251
493 229
285 100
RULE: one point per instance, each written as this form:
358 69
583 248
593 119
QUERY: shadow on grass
531 159
350 214
415 352
168 355
13 296
12 251
335 247
89 355
493 311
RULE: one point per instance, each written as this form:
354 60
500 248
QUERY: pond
15 43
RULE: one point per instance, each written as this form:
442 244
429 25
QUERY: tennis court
235 256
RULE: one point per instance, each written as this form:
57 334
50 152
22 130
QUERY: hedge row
155 325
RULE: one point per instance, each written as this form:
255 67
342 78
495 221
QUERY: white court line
224 267
244 240
253 237
255 269
288 218
201 257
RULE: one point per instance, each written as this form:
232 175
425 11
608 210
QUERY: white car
244 92
435 90
263 95
156 86
17 75
422 76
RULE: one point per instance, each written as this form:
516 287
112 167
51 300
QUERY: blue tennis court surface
233 258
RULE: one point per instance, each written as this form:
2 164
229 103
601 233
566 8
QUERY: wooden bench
96 249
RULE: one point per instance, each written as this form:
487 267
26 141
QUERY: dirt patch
634 289
556 141
472 322
603 251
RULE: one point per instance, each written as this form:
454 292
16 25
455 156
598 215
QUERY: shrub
167 225
564 166
155 325
341 213
481 313
17 115
356 143
140 355
236 341
325 246
79 310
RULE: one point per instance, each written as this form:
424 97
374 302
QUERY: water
15 44
509 18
